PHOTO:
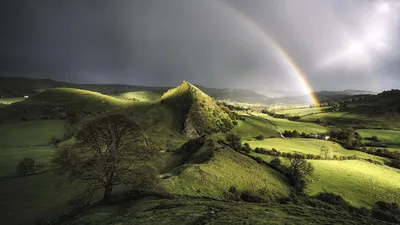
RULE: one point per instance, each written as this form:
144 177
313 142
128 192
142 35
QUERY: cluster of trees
348 138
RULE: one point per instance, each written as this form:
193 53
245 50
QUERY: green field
140 96
285 124
30 133
310 146
301 111
254 126
348 119
360 183
389 137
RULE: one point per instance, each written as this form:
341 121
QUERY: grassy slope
389 137
254 126
361 183
189 211
56 102
8 101
347 119
285 124
227 168
157 120
141 95
310 146
194 111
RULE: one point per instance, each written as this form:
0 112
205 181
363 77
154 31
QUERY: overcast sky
338 44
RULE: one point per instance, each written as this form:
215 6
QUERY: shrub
249 196
25 166
386 211
246 148
55 141
260 137
276 163
332 199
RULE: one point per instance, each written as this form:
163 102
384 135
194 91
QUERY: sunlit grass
390 137
8 101
310 146
360 183
140 96
226 169
285 124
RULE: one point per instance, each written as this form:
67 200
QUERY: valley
199 172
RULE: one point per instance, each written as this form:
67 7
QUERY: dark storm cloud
162 42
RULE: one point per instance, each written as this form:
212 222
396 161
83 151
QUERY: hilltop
19 86
195 112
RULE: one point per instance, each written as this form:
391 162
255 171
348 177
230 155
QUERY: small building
327 138
26 96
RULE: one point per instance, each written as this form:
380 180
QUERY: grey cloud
162 42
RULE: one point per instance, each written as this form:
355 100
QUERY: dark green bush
25 166
333 199
386 211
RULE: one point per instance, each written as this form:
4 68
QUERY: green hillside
195 113
360 183
201 211
59 102
222 169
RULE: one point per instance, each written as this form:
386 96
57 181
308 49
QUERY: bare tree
325 152
105 154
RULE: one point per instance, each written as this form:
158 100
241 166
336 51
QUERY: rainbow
281 52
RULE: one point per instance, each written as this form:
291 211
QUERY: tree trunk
107 192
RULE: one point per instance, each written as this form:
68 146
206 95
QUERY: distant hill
195 112
387 102
17 87
59 102
322 96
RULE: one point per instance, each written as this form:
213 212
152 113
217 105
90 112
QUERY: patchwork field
310 146
285 124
